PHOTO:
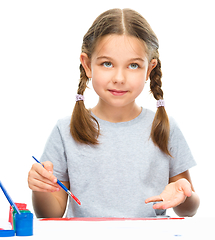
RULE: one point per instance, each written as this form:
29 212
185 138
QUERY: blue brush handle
61 184
37 160
9 198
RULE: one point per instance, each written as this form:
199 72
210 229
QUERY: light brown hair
84 127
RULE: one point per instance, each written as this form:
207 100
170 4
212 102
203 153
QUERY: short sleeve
182 157
54 152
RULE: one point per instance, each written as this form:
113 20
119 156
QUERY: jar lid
7 233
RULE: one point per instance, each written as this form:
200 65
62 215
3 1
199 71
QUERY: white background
40 44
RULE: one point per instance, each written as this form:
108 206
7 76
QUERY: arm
49 200
179 194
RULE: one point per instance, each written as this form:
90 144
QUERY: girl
118 158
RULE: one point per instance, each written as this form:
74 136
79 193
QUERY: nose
119 76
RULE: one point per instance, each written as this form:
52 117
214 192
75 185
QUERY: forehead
120 46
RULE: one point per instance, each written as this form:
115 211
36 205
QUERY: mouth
117 92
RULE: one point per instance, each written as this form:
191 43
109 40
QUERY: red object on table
106 219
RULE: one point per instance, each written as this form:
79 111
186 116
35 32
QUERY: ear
86 63
151 66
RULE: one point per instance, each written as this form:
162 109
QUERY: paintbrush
62 186
13 205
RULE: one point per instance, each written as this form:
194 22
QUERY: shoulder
174 127
62 126
177 141
148 115
64 122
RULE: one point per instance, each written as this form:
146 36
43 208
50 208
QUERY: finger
169 204
185 186
38 189
166 205
187 191
44 187
44 172
38 177
35 180
161 206
38 183
48 166
157 198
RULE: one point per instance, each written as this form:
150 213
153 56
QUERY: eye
107 64
133 66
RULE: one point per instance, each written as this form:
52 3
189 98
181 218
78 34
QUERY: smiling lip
117 92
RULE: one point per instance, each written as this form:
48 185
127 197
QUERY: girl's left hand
173 195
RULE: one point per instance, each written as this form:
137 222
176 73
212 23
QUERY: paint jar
13 216
21 206
24 224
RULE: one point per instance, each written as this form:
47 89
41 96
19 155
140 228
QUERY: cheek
99 78
98 84
140 87
138 81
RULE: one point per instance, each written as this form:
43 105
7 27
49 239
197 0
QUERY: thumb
48 166
186 186
188 191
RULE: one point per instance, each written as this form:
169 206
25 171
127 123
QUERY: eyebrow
101 57
132 59
137 59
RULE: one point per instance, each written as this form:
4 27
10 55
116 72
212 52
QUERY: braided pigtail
83 126
160 127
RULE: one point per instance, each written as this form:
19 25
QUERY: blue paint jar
24 224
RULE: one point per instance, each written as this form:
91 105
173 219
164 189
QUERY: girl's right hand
41 179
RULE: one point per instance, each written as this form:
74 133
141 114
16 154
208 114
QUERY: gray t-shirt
114 178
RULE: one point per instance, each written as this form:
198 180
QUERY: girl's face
119 69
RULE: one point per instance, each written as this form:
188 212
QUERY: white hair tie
79 97
160 103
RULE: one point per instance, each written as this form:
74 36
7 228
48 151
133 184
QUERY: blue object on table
24 224
7 233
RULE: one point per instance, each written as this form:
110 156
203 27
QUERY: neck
116 114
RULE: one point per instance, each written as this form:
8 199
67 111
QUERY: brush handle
61 184
37 160
9 198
